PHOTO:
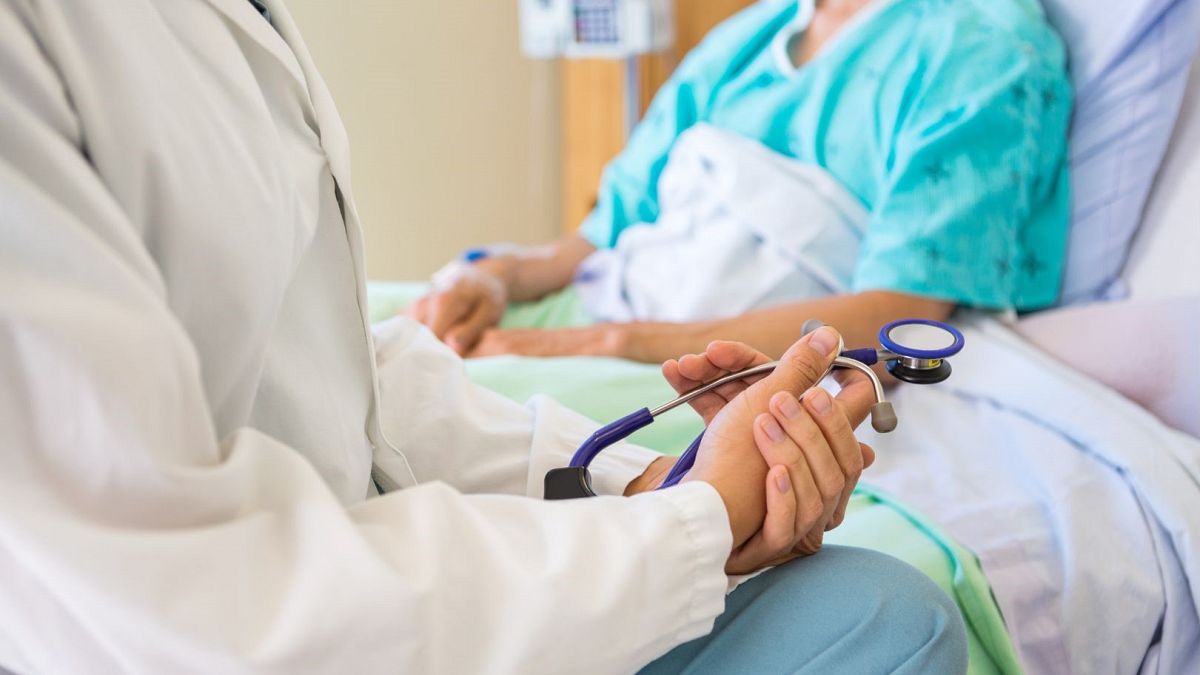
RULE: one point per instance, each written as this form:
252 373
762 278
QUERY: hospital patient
923 144
197 421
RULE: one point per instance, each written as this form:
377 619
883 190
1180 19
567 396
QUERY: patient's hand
461 309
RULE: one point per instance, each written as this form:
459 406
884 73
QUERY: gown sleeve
133 539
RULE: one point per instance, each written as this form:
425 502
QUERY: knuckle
812 506
773 541
782 549
807 369
855 462
839 426
808 436
816 541
854 474
832 488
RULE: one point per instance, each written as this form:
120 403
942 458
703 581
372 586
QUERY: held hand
719 359
729 458
462 308
815 465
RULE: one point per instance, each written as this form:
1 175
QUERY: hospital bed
1052 487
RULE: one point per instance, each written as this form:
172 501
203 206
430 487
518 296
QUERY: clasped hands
780 450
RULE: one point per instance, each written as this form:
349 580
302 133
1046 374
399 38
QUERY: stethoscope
914 350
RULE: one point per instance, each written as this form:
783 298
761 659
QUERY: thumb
806 362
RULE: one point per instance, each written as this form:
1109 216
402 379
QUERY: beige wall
454 134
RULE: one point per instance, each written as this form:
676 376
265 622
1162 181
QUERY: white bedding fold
741 227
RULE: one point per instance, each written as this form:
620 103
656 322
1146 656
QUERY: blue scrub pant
844 610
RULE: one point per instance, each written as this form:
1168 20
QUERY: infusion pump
595 28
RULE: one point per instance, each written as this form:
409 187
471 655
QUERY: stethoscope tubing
623 428
905 363
688 459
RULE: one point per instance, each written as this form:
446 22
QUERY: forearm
538 271
858 317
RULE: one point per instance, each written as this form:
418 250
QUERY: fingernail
824 340
782 482
819 401
772 428
789 407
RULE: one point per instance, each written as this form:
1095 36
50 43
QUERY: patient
945 120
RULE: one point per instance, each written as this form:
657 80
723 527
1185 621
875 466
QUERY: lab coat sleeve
452 430
134 540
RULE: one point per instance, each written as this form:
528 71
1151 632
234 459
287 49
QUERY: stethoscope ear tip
810 326
883 417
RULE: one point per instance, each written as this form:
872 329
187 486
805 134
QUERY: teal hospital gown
946 118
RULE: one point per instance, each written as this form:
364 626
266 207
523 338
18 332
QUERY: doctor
197 420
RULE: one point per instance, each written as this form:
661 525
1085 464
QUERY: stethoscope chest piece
919 349
922 374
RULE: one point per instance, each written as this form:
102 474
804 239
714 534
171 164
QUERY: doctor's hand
461 308
684 374
731 461
815 465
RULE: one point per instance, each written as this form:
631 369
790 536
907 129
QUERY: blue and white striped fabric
1129 67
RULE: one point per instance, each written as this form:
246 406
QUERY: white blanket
740 227
1081 506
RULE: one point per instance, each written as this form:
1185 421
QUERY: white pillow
1159 265
1129 62
1145 349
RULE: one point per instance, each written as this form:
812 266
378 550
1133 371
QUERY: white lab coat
189 400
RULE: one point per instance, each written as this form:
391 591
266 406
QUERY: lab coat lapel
336 144
332 133
334 140
243 16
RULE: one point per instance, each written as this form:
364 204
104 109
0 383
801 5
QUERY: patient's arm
538 271
472 299
772 330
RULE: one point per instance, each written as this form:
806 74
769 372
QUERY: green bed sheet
606 389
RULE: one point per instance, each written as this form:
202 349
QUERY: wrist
501 267
743 507
655 342
616 339
651 478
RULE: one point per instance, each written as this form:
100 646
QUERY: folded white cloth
741 227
